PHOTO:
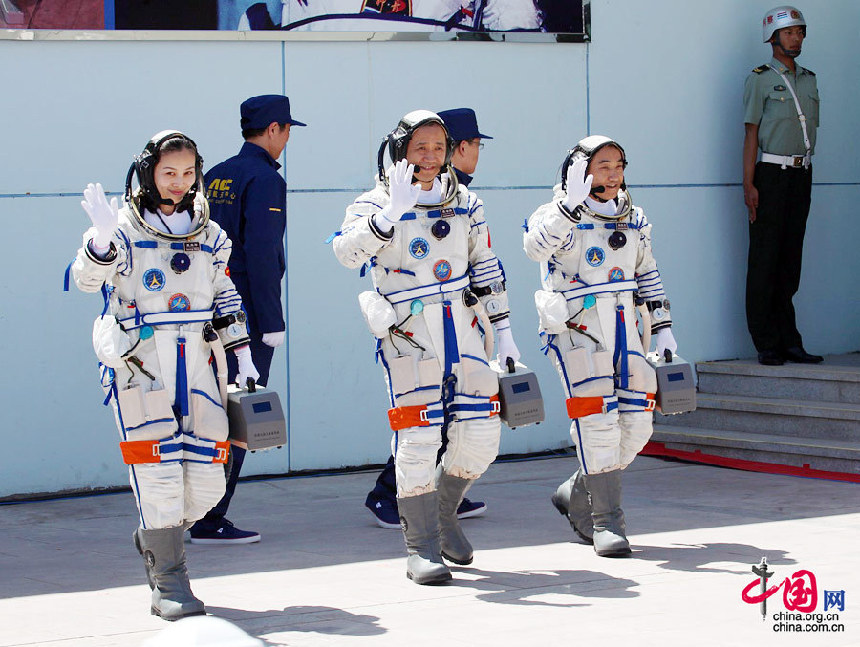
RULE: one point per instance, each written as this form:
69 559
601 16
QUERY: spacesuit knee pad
415 451
204 487
636 429
159 491
598 441
472 446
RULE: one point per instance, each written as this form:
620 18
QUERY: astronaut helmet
586 149
146 195
780 18
398 139
397 143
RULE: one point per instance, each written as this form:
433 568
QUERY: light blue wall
664 77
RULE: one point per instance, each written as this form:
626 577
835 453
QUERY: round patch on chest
153 280
595 256
419 248
442 270
179 303
616 274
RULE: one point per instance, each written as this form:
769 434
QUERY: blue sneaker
384 512
471 509
224 533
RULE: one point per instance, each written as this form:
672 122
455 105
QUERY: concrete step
762 415
837 379
800 452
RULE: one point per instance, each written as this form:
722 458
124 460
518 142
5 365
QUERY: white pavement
324 574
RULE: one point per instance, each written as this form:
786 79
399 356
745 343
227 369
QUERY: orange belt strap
580 407
403 417
652 401
222 452
135 452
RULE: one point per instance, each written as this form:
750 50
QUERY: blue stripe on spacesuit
452 352
148 422
477 359
638 402
181 378
429 289
598 288
478 407
208 397
610 225
128 266
619 357
66 276
580 452
380 354
153 244
554 348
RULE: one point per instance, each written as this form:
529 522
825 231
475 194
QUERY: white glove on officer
274 339
665 339
103 215
578 186
403 194
505 343
246 366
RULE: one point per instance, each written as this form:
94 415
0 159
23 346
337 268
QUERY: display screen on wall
456 17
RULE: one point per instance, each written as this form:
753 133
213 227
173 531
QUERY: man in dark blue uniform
462 125
248 198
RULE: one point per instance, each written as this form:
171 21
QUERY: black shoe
800 356
770 358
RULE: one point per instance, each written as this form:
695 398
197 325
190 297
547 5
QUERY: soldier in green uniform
781 117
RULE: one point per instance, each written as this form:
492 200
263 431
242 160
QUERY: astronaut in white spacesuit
161 265
409 15
437 284
594 247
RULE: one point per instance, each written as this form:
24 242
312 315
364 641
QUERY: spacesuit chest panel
426 250
603 254
170 277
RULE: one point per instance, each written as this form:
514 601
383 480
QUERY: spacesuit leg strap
584 406
419 415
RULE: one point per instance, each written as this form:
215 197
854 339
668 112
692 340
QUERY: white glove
274 339
505 344
246 366
578 186
104 216
665 339
403 194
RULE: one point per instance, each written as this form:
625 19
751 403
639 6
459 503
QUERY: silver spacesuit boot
164 553
606 514
136 538
571 500
455 547
419 517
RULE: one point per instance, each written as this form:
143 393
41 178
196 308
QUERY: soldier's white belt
599 288
794 161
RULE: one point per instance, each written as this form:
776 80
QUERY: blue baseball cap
462 124
259 112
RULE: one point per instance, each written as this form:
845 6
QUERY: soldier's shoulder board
760 69
808 71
